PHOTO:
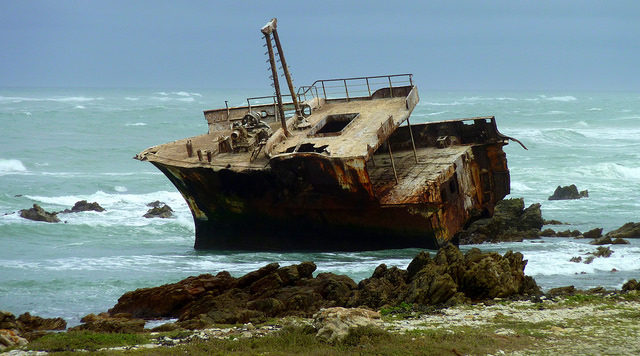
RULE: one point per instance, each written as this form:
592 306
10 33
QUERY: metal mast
267 30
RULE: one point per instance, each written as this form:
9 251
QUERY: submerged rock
159 211
568 192
83 205
38 214
629 230
510 222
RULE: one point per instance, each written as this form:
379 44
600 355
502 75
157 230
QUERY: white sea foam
615 171
453 103
594 109
121 209
80 107
561 98
136 124
62 99
120 189
129 98
520 187
11 166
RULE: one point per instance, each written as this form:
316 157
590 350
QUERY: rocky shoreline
272 297
328 304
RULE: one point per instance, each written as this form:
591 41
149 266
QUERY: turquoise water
58 146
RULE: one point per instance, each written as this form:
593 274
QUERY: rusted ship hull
312 202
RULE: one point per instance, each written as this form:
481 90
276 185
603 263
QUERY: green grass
85 340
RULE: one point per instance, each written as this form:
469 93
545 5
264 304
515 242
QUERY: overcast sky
448 45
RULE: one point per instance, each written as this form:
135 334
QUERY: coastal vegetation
583 323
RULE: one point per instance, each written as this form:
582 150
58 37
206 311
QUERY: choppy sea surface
58 146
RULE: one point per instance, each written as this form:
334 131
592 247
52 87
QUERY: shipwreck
336 165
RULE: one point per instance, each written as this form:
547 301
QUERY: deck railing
347 88
340 88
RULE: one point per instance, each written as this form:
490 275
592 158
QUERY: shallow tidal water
58 146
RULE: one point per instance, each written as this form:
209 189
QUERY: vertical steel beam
393 164
413 143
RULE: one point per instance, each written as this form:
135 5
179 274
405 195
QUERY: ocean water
58 146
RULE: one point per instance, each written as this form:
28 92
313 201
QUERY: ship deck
413 178
359 136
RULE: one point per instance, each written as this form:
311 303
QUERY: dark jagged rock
8 321
569 233
274 291
619 241
589 259
630 285
28 327
107 323
169 299
562 291
568 192
83 205
593 234
161 211
156 204
602 241
608 241
576 259
548 233
603 252
629 230
38 214
510 222
27 322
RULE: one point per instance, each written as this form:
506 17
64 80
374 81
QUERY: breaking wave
11 166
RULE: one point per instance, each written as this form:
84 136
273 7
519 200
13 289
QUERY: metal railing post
324 91
346 89
390 86
368 87
415 154
393 164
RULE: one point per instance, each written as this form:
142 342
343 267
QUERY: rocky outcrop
629 230
630 285
608 241
158 210
593 234
11 338
27 322
18 332
273 291
569 233
602 252
510 222
568 192
38 214
83 205
333 324
108 323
